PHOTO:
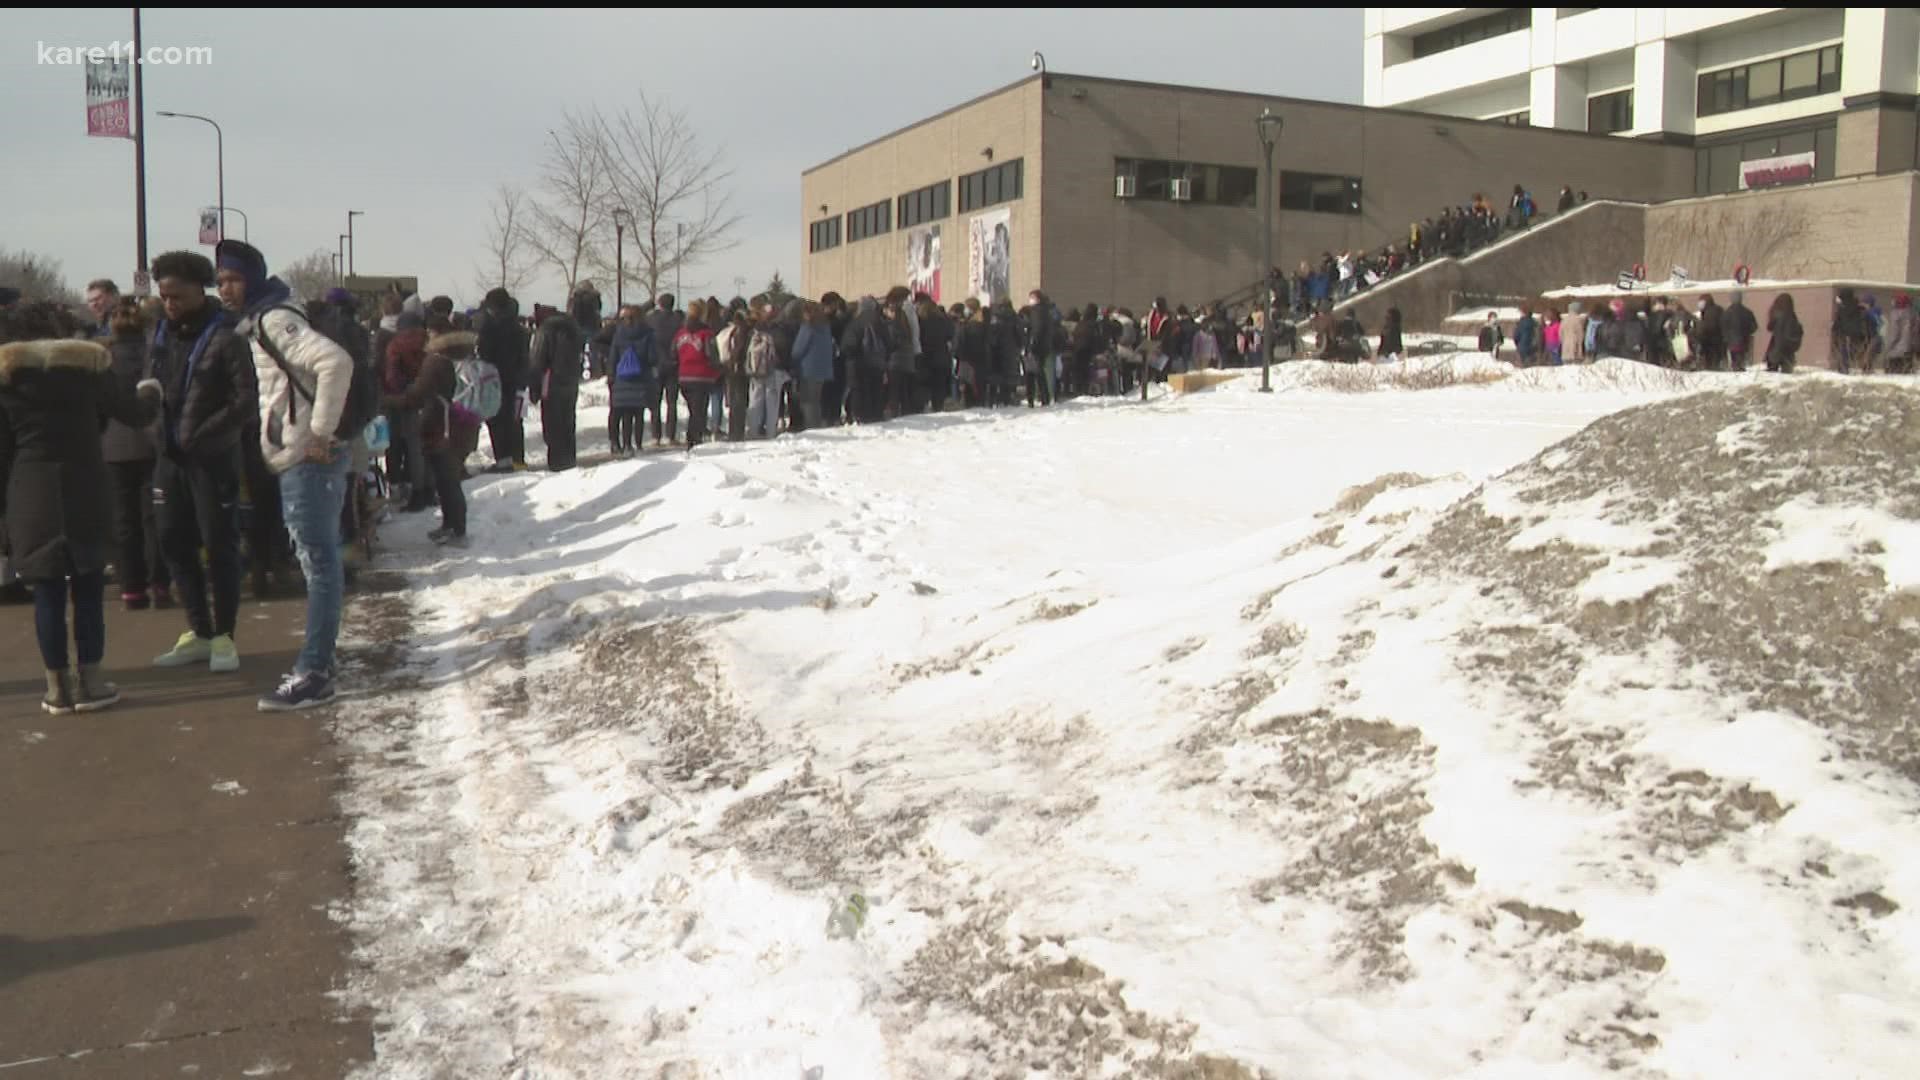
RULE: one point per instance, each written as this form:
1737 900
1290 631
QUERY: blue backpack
635 363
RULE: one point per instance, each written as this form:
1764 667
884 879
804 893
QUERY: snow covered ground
1224 736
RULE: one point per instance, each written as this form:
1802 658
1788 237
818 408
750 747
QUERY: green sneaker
190 649
224 656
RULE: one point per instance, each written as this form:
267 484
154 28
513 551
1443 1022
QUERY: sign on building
109 84
990 255
923 261
1785 169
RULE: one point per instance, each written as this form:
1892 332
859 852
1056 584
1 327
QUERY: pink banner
108 86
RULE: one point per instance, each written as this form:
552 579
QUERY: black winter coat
220 400
1783 344
666 326
1737 326
55 398
561 347
936 338
130 365
504 345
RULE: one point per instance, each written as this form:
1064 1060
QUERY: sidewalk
166 867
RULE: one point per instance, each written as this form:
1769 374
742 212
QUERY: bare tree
567 223
310 276
38 277
510 251
671 184
1774 236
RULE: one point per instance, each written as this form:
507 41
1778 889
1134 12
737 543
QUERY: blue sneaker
299 692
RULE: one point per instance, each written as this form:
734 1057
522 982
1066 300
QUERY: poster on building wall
1785 169
990 255
923 261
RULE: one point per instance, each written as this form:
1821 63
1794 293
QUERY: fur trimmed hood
458 344
51 354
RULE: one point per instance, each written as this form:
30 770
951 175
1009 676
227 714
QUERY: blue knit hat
244 259
339 295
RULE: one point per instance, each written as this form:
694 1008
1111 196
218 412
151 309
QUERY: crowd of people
1457 231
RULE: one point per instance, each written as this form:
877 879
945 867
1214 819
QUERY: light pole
341 258
246 230
351 214
1269 127
619 260
679 253
220 162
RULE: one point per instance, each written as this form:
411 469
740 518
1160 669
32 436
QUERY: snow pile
1231 735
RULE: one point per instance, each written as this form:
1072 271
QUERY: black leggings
623 426
445 463
666 405
89 619
141 563
696 395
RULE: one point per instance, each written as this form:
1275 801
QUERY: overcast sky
415 117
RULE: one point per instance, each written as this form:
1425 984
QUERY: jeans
763 405
666 405
198 506
310 497
697 392
89 619
141 563
716 406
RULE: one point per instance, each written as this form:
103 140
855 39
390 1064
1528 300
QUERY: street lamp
619 260
220 161
679 253
1268 125
246 230
351 214
340 260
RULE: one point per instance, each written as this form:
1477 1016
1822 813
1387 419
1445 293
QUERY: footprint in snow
755 490
727 519
730 480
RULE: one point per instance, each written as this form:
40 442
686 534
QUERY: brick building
1113 191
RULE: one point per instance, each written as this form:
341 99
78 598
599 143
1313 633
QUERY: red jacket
693 348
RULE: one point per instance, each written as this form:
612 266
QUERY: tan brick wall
1845 229
944 148
1856 142
1127 251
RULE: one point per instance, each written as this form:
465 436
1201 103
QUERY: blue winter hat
339 295
244 259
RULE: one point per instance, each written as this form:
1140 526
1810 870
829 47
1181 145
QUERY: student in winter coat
665 323
631 385
1526 336
1896 336
1392 348
130 453
207 373
554 382
304 382
864 344
1737 328
901 357
1491 336
813 360
1551 337
1709 336
937 333
833 395
766 374
1851 333
1784 334
698 362
1599 318
504 345
430 390
1623 336
56 507
1566 201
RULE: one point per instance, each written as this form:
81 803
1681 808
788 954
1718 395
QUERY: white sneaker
222 655
190 649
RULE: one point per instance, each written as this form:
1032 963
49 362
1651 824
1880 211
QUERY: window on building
1221 185
1319 193
870 220
1523 118
1570 12
1769 82
1608 113
995 184
931 203
824 235
1716 166
1504 21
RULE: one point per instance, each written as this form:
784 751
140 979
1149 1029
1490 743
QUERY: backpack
763 356
476 387
635 363
363 393
688 350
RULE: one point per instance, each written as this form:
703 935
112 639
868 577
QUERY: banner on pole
109 84
209 225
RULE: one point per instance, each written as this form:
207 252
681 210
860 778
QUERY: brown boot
59 699
91 690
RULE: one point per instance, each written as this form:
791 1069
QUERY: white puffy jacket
324 370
